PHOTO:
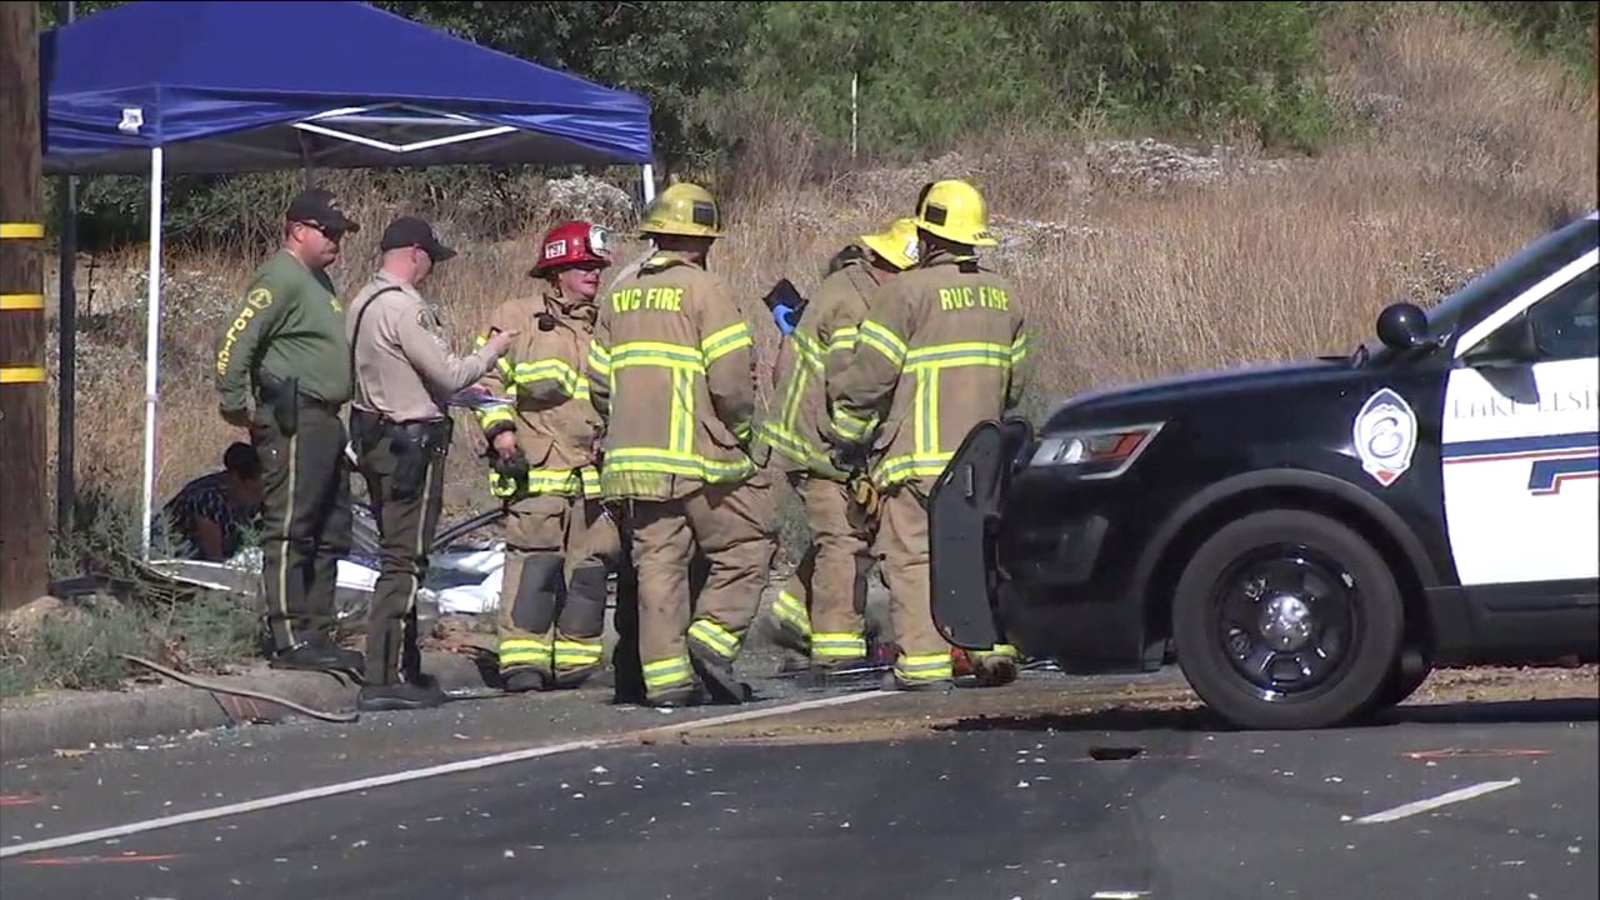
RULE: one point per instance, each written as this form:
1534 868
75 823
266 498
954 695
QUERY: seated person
211 513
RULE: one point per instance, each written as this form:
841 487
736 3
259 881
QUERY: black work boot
717 674
320 655
425 694
527 679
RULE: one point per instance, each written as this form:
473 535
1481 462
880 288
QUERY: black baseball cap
320 206
410 231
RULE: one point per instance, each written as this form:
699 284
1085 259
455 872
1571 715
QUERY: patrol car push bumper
964 509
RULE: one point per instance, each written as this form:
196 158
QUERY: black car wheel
1287 619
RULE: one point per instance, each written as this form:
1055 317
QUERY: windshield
1529 264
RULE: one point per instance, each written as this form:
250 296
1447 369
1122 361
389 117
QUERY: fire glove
865 494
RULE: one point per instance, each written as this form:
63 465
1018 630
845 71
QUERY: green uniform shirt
289 326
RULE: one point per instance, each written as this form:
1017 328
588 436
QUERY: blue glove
783 315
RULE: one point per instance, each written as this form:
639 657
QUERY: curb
69 720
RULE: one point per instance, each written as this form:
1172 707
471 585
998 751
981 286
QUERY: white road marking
1422 806
464 765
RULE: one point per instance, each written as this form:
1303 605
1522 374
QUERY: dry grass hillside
1135 260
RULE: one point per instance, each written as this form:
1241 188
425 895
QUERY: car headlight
1095 453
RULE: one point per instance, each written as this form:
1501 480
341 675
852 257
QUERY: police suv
1307 539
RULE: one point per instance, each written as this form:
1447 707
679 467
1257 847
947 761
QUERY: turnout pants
306 521
825 600
732 525
925 656
406 505
553 590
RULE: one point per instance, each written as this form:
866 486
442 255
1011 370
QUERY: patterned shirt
207 498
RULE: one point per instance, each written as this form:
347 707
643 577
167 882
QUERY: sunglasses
332 234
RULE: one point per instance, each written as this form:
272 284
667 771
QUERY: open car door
963 510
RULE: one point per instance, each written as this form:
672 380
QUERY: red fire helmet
571 243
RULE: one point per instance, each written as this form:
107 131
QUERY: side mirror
1403 326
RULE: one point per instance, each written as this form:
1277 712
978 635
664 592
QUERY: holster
283 395
412 446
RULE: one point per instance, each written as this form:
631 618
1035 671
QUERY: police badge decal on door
1385 435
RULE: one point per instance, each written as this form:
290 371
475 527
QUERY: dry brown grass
1470 153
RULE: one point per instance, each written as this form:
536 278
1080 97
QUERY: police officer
561 541
941 348
286 350
827 591
401 428
671 369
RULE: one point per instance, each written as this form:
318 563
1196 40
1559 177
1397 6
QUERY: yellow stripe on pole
21 230
21 301
21 375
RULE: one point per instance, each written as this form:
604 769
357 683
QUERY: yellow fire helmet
898 244
955 211
686 209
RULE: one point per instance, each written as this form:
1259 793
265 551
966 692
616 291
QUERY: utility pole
67 329
24 522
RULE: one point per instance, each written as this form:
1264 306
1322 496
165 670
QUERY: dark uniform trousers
404 469
306 520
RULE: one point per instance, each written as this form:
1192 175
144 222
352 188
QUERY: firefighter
942 348
672 370
561 541
821 611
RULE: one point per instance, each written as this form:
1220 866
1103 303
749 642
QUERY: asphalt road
976 794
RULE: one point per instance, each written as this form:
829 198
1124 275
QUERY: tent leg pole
152 351
648 177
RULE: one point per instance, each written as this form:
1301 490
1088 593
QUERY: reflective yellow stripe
880 338
565 482
503 364
924 413
667 673
788 608
491 415
557 370
924 667
720 639
514 651
723 342
810 350
22 374
577 653
653 460
21 301
850 427
21 230
599 358
1019 350
591 481
845 645
681 424
910 466
972 353
1005 650
843 339
655 353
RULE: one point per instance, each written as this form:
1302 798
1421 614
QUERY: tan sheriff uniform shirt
404 369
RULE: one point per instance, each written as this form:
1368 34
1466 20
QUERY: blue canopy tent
237 86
